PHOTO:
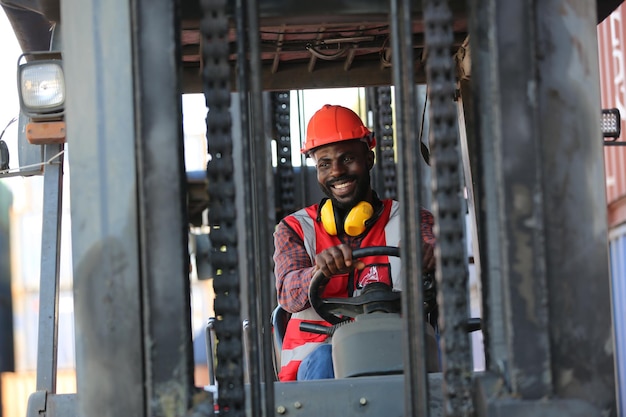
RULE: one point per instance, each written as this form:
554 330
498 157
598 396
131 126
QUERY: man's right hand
336 260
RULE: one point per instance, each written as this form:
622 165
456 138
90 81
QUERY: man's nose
337 168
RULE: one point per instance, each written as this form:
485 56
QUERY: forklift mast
511 93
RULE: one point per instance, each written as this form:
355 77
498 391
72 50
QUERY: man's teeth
342 185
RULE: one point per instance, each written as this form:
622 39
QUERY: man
323 236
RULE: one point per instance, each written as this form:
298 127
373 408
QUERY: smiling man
323 236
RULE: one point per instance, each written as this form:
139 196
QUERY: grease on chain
222 209
286 187
387 156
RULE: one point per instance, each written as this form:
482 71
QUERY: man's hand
336 260
428 257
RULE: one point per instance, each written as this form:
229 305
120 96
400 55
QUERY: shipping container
611 38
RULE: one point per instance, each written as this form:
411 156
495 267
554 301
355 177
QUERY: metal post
163 226
105 252
575 202
416 388
264 216
244 158
486 142
48 329
47 341
543 217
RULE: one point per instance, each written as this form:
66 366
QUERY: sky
9 102
9 53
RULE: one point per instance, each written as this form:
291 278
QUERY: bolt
363 401
281 409
297 404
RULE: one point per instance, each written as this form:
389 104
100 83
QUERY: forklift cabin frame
533 166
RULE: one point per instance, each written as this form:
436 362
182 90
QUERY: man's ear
371 157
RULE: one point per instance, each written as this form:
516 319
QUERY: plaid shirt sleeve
427 221
293 269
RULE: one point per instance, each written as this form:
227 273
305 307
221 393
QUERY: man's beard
362 190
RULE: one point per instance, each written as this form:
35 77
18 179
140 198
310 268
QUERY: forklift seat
280 318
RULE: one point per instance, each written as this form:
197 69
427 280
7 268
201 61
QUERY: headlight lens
611 123
42 86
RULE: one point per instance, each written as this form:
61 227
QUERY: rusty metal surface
545 260
162 213
305 45
320 36
521 191
492 399
577 262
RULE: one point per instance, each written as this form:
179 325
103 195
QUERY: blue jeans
318 364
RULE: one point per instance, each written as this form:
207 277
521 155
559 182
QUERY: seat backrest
280 318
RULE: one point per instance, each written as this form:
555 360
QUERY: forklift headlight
611 123
41 86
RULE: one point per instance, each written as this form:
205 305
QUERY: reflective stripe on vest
297 345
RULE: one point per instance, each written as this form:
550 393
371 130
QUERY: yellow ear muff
327 215
353 225
355 221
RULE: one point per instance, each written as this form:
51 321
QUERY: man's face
343 172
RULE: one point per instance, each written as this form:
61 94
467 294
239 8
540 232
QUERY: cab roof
317 44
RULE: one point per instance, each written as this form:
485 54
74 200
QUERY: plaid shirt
293 267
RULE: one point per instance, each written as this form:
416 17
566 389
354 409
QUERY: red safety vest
384 232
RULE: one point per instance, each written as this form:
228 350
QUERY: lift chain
452 275
286 188
386 157
222 212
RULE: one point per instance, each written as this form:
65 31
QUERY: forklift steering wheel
374 297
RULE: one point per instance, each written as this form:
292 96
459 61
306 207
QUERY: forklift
514 139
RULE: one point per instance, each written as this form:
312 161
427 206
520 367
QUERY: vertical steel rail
416 386
522 219
515 254
264 218
163 225
487 166
48 331
249 203
209 347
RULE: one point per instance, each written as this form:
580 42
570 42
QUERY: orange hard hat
334 124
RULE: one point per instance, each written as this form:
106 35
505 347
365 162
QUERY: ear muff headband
354 223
